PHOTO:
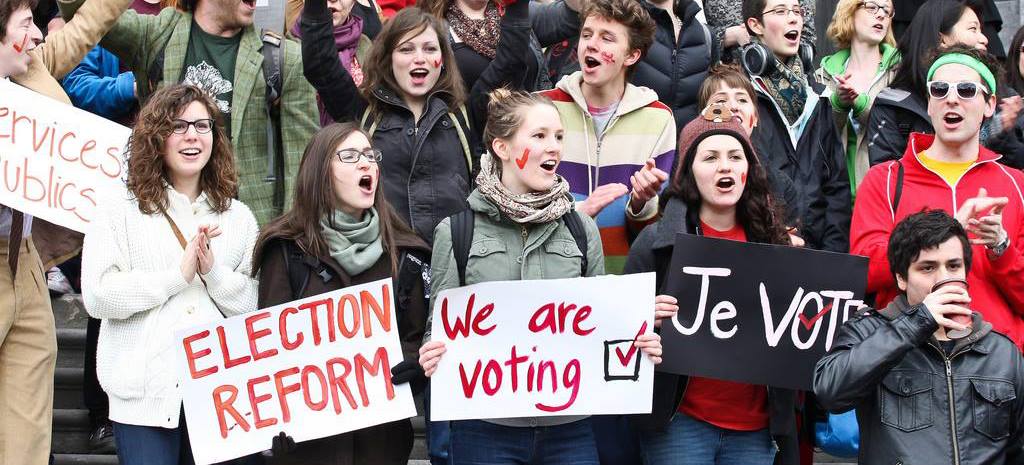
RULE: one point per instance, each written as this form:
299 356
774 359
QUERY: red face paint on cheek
19 48
743 178
607 57
437 64
521 161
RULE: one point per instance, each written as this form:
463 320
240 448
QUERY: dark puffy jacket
887 364
816 167
674 68
652 251
427 174
384 444
897 113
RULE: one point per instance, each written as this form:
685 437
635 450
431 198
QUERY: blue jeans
687 441
476 442
151 445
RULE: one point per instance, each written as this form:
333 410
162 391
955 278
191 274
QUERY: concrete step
84 459
67 388
70 431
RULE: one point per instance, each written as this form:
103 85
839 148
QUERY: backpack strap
296 269
579 234
899 187
373 126
274 76
461 125
462 238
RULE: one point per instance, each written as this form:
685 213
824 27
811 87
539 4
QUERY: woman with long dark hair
173 254
1014 63
342 232
903 107
413 105
718 190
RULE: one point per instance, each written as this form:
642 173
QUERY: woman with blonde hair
174 253
864 65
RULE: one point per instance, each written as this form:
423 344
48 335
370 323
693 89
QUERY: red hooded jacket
996 286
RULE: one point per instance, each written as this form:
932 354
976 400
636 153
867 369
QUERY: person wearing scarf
353 46
521 203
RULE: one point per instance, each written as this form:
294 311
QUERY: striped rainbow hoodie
641 128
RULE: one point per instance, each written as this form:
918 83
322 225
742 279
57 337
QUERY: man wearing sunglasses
953 172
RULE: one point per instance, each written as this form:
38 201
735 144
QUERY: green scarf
354 244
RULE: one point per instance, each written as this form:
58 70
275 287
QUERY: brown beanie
702 127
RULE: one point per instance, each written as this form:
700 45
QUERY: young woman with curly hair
176 252
718 190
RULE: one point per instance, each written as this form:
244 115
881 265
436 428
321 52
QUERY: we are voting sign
543 348
312 368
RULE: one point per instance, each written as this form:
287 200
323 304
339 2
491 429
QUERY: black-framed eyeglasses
965 90
203 126
873 8
352 155
783 11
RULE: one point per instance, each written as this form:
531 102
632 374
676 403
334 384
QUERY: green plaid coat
137 39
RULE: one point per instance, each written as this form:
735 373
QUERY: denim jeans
687 441
151 445
476 442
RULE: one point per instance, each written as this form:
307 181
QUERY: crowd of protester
455 142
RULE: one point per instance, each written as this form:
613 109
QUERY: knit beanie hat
709 123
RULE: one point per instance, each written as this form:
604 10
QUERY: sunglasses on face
873 8
352 155
203 126
965 90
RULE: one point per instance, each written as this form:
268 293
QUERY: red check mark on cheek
521 161
19 48
808 323
625 358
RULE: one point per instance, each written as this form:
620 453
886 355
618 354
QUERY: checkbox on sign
621 360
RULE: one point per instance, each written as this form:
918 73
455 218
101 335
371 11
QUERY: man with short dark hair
931 381
214 46
953 172
797 135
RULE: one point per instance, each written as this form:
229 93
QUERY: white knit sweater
131 279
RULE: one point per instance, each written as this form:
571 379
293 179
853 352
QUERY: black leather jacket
917 405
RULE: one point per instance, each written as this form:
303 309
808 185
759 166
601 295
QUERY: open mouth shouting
250 3
792 36
952 120
725 184
549 166
591 63
418 76
367 184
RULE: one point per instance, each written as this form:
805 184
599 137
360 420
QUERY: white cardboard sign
543 348
312 368
57 162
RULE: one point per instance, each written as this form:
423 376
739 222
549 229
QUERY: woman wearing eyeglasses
725 19
172 254
863 66
341 232
903 107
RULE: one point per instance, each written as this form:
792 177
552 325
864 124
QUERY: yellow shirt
950 171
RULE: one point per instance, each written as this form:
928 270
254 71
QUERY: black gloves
282 445
406 371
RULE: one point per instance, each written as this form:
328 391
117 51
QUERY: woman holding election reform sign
524 212
719 190
174 253
341 232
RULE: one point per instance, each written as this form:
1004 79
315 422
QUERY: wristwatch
1001 247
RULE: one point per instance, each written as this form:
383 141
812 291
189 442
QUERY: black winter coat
674 68
816 167
388 443
896 113
652 251
903 384
427 174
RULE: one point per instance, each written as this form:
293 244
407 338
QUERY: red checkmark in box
621 358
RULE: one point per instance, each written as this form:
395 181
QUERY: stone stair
71 420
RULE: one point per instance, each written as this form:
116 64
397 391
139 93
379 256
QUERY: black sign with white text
755 313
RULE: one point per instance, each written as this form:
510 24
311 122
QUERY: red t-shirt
726 404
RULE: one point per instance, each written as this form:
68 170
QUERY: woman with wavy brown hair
175 252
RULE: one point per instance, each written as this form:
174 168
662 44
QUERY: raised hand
646 184
601 197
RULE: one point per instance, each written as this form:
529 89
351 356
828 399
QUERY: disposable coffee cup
962 319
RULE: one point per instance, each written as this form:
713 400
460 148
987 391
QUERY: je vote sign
542 348
755 313
57 162
315 367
